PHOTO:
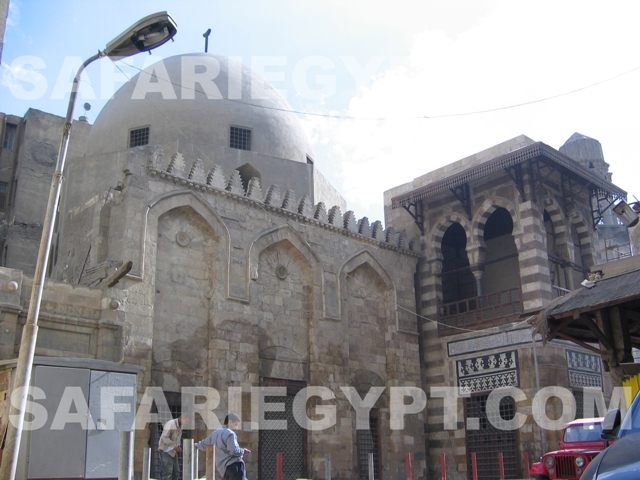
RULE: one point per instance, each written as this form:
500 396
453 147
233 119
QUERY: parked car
621 460
581 442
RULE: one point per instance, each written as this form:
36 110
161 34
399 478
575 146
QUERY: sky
403 80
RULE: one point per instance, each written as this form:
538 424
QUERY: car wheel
539 477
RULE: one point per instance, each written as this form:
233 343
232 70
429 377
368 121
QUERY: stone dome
190 102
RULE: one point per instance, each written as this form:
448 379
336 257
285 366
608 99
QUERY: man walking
229 461
169 446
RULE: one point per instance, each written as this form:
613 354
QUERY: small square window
139 137
240 138
309 160
9 135
4 189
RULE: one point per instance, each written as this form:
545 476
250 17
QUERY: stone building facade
198 247
504 232
222 260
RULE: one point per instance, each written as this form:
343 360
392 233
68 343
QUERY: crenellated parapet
192 174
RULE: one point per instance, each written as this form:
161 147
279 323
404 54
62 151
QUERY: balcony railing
483 309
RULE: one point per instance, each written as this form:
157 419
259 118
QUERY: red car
581 442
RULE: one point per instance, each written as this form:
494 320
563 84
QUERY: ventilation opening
309 160
240 138
138 137
247 172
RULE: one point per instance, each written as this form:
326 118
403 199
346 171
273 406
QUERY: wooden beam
554 333
121 271
596 331
578 342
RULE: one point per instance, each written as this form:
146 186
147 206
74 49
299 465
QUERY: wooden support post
211 462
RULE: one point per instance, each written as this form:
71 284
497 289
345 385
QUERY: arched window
458 282
501 268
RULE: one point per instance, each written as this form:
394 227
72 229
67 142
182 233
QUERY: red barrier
278 466
501 463
407 465
443 467
474 466
527 474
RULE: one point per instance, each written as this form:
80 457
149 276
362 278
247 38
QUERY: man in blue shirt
229 461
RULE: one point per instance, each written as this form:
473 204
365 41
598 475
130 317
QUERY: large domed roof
191 101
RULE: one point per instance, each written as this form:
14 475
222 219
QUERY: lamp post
145 35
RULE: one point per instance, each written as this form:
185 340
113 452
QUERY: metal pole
30 331
279 466
327 467
125 465
187 459
474 466
407 466
443 467
543 437
527 475
372 472
501 465
196 462
146 463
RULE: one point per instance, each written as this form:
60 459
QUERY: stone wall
234 287
528 271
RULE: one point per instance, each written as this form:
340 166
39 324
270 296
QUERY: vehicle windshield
631 422
583 433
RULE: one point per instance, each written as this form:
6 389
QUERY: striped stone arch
585 239
557 219
484 212
441 226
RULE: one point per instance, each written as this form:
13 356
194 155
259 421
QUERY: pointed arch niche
369 312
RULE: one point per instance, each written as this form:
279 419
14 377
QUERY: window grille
368 443
289 442
9 135
175 410
4 188
240 138
486 441
139 137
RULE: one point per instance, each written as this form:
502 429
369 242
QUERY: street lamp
145 35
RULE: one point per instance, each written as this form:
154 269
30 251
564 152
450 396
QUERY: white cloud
515 54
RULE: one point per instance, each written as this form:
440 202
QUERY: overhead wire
418 117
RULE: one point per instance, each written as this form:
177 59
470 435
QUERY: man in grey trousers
229 461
